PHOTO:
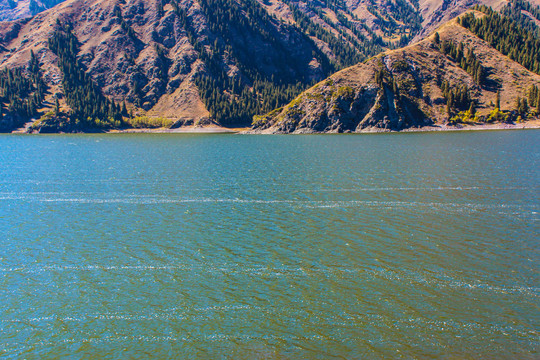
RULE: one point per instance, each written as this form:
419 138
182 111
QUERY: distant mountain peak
18 9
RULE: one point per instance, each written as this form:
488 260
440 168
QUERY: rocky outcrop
340 105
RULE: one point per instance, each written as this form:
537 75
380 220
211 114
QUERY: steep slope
430 82
188 61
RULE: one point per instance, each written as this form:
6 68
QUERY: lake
416 245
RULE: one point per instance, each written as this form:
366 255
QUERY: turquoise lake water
420 245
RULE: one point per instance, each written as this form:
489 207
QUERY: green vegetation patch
22 90
401 66
345 92
505 35
467 62
145 122
89 107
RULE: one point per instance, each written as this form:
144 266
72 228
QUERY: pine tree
533 93
395 88
524 107
506 35
89 107
468 63
379 77
23 89
472 108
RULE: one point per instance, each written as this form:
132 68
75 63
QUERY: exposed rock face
341 105
407 95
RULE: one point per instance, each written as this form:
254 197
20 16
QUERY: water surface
263 247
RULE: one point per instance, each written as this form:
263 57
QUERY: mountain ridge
193 61
158 55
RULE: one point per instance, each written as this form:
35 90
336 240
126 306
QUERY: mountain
395 21
17 9
451 76
99 64
181 61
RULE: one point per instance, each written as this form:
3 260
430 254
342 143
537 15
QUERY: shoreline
532 124
528 125
182 130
